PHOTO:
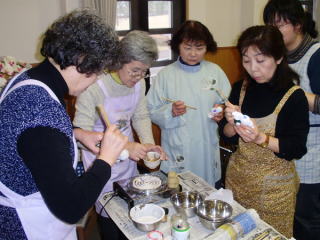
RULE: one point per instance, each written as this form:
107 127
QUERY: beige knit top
86 114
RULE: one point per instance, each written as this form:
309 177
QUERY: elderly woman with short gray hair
122 93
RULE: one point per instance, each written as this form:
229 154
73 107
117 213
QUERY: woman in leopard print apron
260 172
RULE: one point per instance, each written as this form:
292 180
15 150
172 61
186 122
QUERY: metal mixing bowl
146 217
186 202
214 213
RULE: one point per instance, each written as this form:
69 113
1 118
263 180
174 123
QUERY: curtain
316 15
104 8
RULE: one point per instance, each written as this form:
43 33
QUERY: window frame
309 4
139 21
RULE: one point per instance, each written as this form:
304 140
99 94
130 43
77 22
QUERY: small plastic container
180 228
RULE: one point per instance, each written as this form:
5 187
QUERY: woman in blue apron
122 95
189 136
41 196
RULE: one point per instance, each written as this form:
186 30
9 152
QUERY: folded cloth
222 194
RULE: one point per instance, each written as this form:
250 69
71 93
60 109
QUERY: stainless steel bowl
146 217
214 213
186 202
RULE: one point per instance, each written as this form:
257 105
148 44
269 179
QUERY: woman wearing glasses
122 93
188 135
299 33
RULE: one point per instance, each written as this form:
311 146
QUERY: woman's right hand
178 108
112 144
229 128
230 108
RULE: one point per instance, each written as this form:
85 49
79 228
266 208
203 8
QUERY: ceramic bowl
152 160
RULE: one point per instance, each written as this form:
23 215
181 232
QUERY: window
307 5
123 16
161 18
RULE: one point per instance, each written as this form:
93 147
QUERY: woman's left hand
248 134
218 116
252 134
136 150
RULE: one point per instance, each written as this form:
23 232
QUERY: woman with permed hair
188 135
41 196
122 94
299 34
261 173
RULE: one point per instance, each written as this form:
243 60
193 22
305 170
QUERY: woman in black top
260 172
41 197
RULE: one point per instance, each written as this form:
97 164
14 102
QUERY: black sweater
292 125
45 152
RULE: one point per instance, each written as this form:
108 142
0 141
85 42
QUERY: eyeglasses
281 25
138 73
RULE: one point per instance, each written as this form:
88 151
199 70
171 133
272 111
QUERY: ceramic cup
152 160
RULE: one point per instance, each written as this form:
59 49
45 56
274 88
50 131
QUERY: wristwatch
266 142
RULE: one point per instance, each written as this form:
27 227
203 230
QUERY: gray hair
138 46
83 40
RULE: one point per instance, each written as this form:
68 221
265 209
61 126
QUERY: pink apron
120 111
36 219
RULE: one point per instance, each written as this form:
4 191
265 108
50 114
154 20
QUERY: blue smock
192 135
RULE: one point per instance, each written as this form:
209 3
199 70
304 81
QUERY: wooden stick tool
103 115
124 154
171 100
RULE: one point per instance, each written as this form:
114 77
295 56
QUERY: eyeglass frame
279 26
138 73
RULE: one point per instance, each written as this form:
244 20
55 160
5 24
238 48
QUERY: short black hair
81 39
193 31
292 11
268 39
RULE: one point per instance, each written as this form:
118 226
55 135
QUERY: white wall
22 22
226 19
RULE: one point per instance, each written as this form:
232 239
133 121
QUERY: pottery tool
124 154
171 100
